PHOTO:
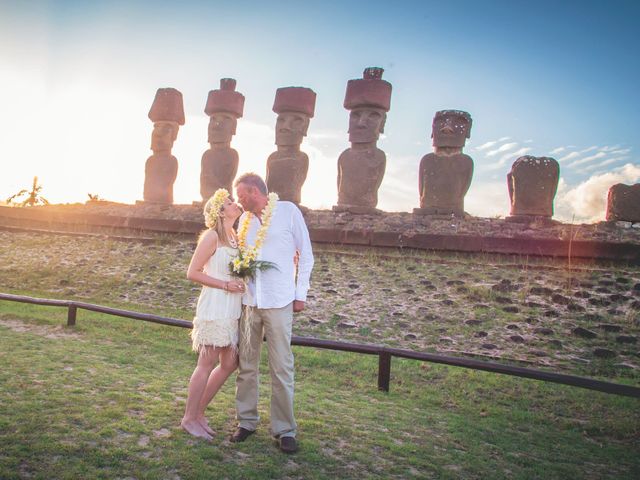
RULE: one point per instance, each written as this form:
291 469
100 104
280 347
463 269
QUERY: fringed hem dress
218 311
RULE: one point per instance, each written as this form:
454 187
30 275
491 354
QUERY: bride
215 326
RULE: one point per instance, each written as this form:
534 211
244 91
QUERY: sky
544 78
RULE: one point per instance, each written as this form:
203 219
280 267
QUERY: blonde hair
212 214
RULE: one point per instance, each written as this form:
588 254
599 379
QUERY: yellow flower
213 206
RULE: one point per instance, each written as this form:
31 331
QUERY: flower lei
213 206
246 263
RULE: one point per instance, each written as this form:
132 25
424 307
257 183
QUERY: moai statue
219 164
361 167
161 168
287 167
532 184
445 175
623 203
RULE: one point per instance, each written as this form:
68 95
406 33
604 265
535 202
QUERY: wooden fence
384 353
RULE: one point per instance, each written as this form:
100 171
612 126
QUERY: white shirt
287 233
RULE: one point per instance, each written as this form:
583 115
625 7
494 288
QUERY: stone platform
603 240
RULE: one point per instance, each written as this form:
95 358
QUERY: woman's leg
228 363
197 386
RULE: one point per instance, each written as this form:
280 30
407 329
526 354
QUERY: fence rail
384 353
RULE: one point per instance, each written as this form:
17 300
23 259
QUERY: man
276 293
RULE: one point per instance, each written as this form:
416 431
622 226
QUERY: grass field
104 399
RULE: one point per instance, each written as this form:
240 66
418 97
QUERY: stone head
451 128
295 107
222 127
366 124
224 106
369 99
291 127
163 135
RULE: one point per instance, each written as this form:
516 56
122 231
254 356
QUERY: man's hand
298 306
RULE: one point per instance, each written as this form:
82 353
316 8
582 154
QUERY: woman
215 326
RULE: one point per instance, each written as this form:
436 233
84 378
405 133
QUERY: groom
277 293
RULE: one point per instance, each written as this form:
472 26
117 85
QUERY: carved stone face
163 136
366 124
222 127
291 127
450 130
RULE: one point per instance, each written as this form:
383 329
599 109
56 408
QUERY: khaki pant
276 324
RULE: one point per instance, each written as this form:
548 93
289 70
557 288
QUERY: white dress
218 311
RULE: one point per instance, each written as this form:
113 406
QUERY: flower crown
213 207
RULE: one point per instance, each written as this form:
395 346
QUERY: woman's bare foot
205 424
194 428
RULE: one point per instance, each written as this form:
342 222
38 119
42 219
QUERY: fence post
384 370
71 315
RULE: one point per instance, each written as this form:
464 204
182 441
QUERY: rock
624 280
635 305
582 294
408 290
540 291
511 309
534 305
480 334
626 339
316 321
609 328
513 326
543 331
551 313
410 336
445 340
331 290
603 353
555 343
472 322
574 307
516 339
599 302
616 297
488 346
559 299
346 325
503 300
448 302
455 282
538 353
398 314
355 285
504 286
584 333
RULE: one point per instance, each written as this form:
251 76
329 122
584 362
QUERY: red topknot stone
167 106
368 91
226 99
295 99
623 203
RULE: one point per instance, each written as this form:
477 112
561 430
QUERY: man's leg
277 328
247 379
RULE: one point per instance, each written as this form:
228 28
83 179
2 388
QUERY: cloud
558 150
509 156
503 148
605 163
588 159
569 156
487 199
484 146
587 201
